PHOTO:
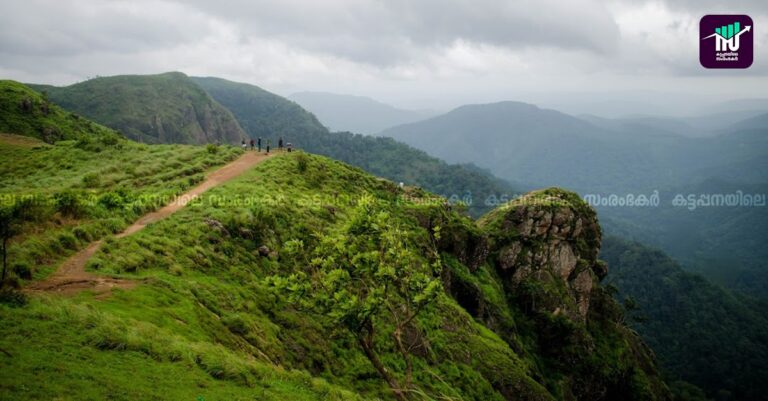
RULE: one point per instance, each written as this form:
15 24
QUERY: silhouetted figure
252 144
269 142
244 145
289 146
259 142
280 143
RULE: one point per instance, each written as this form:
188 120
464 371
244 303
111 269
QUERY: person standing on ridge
252 144
244 145
259 143
269 142
280 143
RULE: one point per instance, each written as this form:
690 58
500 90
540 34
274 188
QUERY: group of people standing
257 144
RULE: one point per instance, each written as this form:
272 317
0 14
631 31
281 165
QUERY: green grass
204 321
106 190
85 354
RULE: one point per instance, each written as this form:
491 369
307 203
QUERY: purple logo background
716 41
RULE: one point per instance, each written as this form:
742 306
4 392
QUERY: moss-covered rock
545 247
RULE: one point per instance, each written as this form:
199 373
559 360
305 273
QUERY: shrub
68 203
12 297
22 271
111 200
212 149
236 324
91 180
302 162
82 234
68 241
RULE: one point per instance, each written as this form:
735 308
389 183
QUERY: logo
726 41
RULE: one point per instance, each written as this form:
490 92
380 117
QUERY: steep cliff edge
539 252
545 246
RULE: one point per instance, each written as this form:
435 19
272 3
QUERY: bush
111 200
91 180
236 324
302 161
22 271
68 241
68 203
12 297
212 149
82 234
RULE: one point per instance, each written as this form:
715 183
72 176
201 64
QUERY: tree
366 275
11 218
9 226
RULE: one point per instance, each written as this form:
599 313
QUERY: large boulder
545 246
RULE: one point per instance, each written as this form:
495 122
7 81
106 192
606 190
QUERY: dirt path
71 276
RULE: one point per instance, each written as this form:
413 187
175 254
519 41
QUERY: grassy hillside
26 112
701 333
263 114
220 305
163 108
77 195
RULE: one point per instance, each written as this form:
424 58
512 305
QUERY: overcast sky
411 53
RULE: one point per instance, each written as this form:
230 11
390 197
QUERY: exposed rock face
546 245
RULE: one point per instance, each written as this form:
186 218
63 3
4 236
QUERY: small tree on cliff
366 275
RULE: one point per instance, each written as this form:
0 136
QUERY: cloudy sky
412 53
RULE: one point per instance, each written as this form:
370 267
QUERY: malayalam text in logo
726 41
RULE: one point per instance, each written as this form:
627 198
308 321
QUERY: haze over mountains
357 114
534 147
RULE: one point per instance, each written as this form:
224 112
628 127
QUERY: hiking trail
71 277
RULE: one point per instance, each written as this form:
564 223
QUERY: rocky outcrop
545 245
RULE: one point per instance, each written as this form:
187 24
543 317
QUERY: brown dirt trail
71 277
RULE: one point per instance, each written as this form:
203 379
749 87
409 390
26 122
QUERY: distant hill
270 116
700 332
648 125
759 121
523 143
163 108
357 114
262 113
26 112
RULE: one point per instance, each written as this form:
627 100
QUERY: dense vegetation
726 243
701 333
26 112
263 114
163 108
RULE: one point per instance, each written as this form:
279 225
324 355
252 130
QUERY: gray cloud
386 32
420 51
